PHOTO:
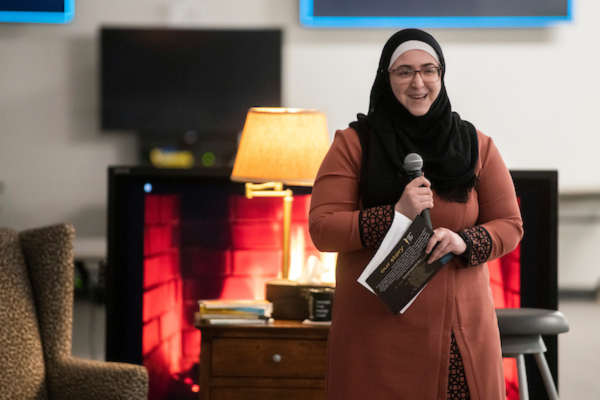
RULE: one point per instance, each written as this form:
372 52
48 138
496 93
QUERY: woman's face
416 96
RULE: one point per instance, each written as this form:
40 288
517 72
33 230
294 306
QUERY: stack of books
220 312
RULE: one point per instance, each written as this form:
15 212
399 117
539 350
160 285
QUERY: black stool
521 331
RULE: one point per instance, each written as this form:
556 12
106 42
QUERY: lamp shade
281 145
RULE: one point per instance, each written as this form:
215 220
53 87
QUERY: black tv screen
216 228
187 79
440 8
37 11
33 5
433 13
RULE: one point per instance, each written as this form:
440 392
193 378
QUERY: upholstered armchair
36 316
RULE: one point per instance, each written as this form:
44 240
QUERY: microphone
413 164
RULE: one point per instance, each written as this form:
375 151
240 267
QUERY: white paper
399 226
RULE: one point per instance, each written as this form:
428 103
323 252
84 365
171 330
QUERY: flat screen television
159 79
176 236
433 13
37 11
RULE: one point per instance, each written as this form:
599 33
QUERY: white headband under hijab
412 45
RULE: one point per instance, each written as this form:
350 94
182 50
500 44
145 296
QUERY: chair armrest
77 378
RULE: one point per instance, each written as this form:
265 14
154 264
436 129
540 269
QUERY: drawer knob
276 358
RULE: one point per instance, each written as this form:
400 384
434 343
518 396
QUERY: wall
533 90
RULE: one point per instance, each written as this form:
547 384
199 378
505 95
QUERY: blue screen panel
433 13
37 11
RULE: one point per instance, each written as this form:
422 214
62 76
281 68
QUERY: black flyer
405 271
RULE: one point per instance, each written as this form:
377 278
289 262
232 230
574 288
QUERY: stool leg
546 376
522 372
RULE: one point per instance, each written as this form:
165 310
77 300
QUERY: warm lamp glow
281 145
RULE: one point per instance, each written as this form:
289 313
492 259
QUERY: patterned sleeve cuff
374 224
479 245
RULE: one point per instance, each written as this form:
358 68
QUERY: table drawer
276 358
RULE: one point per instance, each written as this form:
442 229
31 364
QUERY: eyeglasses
406 75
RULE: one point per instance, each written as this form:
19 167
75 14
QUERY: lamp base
290 299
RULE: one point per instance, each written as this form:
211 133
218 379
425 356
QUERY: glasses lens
431 74
403 74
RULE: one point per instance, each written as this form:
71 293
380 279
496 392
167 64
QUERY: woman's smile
417 96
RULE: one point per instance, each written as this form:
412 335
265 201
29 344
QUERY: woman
447 344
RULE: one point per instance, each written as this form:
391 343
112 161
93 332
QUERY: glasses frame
439 74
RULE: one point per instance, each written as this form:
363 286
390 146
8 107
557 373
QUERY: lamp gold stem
263 190
287 220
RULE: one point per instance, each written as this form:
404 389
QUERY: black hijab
447 144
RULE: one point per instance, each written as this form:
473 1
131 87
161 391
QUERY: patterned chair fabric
36 317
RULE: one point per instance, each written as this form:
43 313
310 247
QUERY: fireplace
177 236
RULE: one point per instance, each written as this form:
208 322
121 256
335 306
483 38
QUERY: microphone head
413 162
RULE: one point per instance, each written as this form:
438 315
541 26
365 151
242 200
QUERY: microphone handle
425 212
426 217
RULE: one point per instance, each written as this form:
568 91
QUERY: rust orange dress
373 354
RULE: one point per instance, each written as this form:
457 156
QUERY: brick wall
162 312
233 254
205 247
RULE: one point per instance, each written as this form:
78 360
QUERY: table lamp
280 146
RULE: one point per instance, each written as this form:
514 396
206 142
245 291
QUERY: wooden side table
281 360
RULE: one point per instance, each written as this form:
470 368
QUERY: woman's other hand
447 242
417 196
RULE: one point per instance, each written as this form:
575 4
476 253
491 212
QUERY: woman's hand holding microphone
417 196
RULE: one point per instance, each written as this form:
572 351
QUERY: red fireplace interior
193 251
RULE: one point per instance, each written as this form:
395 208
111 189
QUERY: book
230 320
205 315
233 308
399 271
234 321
